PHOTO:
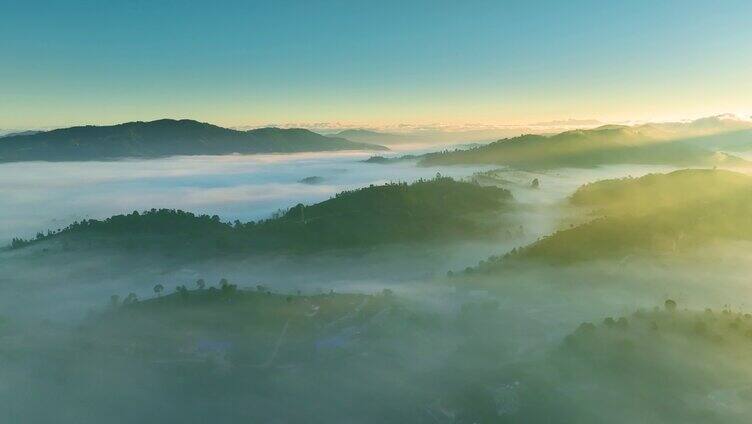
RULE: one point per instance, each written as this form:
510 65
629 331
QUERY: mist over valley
375 212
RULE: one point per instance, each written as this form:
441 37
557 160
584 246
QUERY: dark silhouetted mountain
162 138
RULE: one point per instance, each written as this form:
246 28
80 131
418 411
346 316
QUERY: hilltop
655 215
165 137
215 321
437 209
679 143
584 148
655 192
222 337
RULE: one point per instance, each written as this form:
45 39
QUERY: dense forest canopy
653 192
440 208
207 343
375 212
658 214
249 321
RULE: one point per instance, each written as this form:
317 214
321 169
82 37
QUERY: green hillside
655 215
437 209
586 148
677 364
655 192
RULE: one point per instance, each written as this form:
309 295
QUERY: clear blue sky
368 62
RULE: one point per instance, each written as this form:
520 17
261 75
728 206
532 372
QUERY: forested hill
658 215
164 137
586 148
437 209
655 192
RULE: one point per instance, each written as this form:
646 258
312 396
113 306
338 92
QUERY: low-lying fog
38 196
532 310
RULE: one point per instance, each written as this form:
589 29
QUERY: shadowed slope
164 137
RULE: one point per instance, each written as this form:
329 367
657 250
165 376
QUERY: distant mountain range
683 143
369 136
435 136
165 137
17 133
582 123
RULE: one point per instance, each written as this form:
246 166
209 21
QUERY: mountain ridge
437 209
653 216
164 137
653 144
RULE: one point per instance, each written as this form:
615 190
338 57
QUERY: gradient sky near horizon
371 63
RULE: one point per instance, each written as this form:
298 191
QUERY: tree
622 323
18 243
670 305
228 289
114 300
200 283
223 282
182 291
130 299
158 289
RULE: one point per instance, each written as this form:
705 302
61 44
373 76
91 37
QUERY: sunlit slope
586 148
654 192
734 141
436 209
660 214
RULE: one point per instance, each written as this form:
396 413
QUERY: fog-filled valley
294 212
327 287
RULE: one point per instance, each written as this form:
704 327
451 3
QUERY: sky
367 63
